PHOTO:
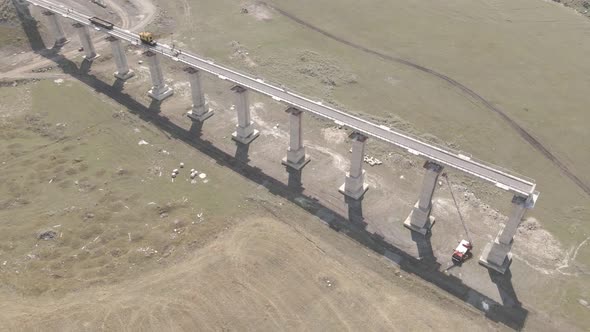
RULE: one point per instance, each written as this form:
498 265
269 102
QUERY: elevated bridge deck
499 177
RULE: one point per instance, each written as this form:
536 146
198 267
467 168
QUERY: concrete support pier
200 110
420 219
354 184
497 255
56 28
160 90
296 157
84 33
123 72
245 132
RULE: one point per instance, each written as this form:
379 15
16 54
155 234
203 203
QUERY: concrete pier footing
84 34
123 72
420 219
496 255
245 132
354 184
160 90
296 157
56 28
200 109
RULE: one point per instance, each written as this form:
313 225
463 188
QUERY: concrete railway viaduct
496 255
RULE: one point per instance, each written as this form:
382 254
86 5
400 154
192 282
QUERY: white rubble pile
369 159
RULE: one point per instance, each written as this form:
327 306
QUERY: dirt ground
111 242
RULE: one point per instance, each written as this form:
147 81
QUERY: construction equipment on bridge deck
101 23
463 250
147 38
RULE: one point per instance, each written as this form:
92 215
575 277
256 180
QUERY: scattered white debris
129 235
401 177
193 181
147 251
583 302
4 263
136 130
372 161
440 183
56 226
58 81
202 175
205 181
276 126
151 203
142 142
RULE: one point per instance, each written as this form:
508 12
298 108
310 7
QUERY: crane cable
458 210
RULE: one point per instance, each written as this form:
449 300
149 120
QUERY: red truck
462 252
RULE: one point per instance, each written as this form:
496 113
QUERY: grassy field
94 238
73 170
78 174
11 36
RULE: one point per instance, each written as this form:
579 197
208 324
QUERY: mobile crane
463 251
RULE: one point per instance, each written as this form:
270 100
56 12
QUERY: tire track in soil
535 143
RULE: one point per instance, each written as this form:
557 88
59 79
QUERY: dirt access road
262 275
134 16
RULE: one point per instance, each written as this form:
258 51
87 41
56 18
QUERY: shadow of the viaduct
510 312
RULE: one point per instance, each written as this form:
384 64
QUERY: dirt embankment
581 6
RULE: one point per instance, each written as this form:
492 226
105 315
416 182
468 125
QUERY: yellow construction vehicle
147 38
